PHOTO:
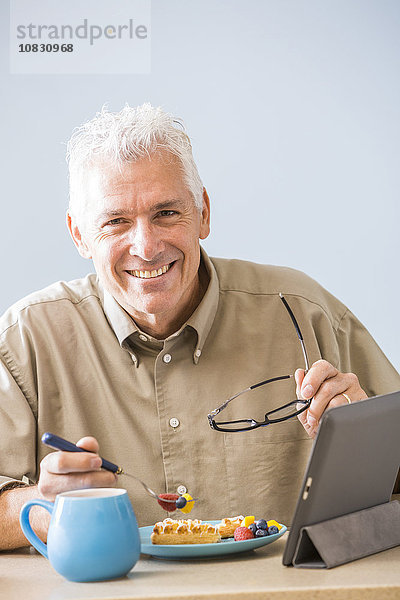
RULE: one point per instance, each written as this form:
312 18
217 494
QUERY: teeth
150 274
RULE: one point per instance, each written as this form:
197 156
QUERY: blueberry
261 524
261 532
273 530
253 527
181 502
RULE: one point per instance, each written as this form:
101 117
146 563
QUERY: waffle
169 532
228 525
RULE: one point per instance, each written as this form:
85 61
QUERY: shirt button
181 489
174 422
133 357
198 353
167 358
143 337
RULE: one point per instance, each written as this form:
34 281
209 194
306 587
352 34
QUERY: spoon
54 441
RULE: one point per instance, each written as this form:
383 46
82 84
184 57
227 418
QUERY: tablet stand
343 539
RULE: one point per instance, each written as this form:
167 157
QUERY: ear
205 216
77 237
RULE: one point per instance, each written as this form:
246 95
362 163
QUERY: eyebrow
120 212
173 203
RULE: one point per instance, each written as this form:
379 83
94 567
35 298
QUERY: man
138 355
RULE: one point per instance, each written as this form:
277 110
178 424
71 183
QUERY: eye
116 221
167 213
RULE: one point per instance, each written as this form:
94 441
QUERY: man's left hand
326 386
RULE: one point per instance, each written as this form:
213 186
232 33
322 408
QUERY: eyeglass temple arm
296 326
216 411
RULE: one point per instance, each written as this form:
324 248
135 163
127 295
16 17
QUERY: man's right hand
59 472
65 471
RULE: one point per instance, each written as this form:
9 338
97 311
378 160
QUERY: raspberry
169 506
243 533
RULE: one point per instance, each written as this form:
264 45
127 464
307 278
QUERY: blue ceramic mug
93 534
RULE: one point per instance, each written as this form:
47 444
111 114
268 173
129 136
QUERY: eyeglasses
283 413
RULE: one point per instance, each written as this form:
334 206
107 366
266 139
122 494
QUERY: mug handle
27 527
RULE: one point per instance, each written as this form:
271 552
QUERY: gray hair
129 135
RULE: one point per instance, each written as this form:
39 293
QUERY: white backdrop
293 107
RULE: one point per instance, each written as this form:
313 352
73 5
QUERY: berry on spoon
168 506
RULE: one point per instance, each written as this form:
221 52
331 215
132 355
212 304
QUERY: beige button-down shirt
74 363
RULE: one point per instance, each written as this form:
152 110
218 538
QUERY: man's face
140 226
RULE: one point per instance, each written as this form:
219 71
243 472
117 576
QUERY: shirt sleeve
360 354
18 431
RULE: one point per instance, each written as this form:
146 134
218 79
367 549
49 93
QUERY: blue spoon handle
54 441
57 442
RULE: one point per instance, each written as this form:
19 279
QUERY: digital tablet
353 464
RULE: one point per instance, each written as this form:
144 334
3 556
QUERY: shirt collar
201 320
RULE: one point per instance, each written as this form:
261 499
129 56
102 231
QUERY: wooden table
256 575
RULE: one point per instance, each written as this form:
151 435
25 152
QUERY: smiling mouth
150 274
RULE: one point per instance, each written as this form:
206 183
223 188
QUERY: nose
145 241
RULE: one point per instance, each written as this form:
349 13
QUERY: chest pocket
265 469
